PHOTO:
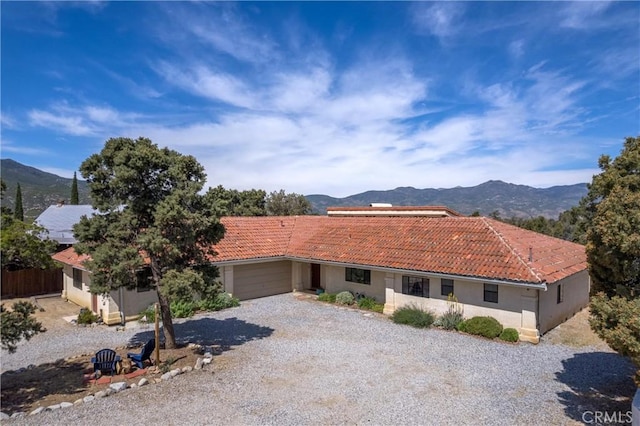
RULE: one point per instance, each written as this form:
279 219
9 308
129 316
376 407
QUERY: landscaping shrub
86 316
327 297
345 298
149 313
183 309
218 302
482 326
370 304
449 320
413 316
509 335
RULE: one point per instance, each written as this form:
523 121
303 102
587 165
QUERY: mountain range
41 189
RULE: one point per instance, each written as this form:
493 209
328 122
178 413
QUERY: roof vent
380 205
530 254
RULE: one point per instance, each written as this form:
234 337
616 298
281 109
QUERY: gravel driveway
290 362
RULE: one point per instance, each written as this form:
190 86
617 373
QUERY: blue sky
327 97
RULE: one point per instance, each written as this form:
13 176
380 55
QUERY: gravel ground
291 362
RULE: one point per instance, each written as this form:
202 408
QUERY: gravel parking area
289 360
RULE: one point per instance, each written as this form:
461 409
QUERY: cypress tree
74 191
18 213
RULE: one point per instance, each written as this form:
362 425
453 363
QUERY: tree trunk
167 322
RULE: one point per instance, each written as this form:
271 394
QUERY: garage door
261 279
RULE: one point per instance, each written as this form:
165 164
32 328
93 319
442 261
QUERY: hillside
506 198
39 189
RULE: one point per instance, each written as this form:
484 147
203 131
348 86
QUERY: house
525 280
59 219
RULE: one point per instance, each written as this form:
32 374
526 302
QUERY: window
446 287
491 293
415 286
360 276
144 279
77 278
560 296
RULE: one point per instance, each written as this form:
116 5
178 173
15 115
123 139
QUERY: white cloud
583 14
442 19
8 146
516 48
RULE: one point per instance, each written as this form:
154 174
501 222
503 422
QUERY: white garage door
261 279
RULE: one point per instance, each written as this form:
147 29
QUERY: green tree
231 202
5 211
18 324
22 246
612 209
75 200
18 213
151 215
280 203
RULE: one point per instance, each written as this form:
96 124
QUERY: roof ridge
512 249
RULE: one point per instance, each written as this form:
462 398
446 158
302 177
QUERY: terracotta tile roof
70 257
392 211
464 246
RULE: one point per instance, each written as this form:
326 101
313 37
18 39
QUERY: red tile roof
464 246
70 257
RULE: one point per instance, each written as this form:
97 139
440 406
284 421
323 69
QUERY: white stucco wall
576 297
333 281
80 297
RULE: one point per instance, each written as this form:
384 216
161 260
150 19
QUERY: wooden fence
31 282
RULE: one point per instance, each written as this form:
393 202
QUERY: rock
108 391
4 416
101 394
18 414
36 411
143 382
118 386
88 398
187 369
208 355
207 361
78 401
53 407
166 376
133 386
198 365
175 372
66 405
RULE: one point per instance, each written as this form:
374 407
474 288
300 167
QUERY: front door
315 276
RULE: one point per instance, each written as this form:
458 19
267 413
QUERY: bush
370 304
482 326
449 320
345 298
183 309
149 313
86 316
327 297
218 302
509 335
413 316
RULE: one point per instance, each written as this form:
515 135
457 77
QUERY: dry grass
575 332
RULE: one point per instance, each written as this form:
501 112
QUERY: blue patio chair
106 361
147 350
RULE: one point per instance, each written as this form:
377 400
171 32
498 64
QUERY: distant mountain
39 189
507 199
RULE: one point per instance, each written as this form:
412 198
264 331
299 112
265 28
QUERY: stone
54 407
4 416
66 405
175 372
88 398
207 361
208 355
118 386
133 386
108 391
78 401
198 365
17 414
36 411
166 376
101 394
143 382
187 369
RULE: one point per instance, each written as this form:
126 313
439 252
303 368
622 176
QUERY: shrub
86 316
413 316
149 313
370 304
182 309
482 326
327 297
509 335
449 320
218 302
345 298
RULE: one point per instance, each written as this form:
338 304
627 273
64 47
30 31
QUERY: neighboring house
526 280
58 220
